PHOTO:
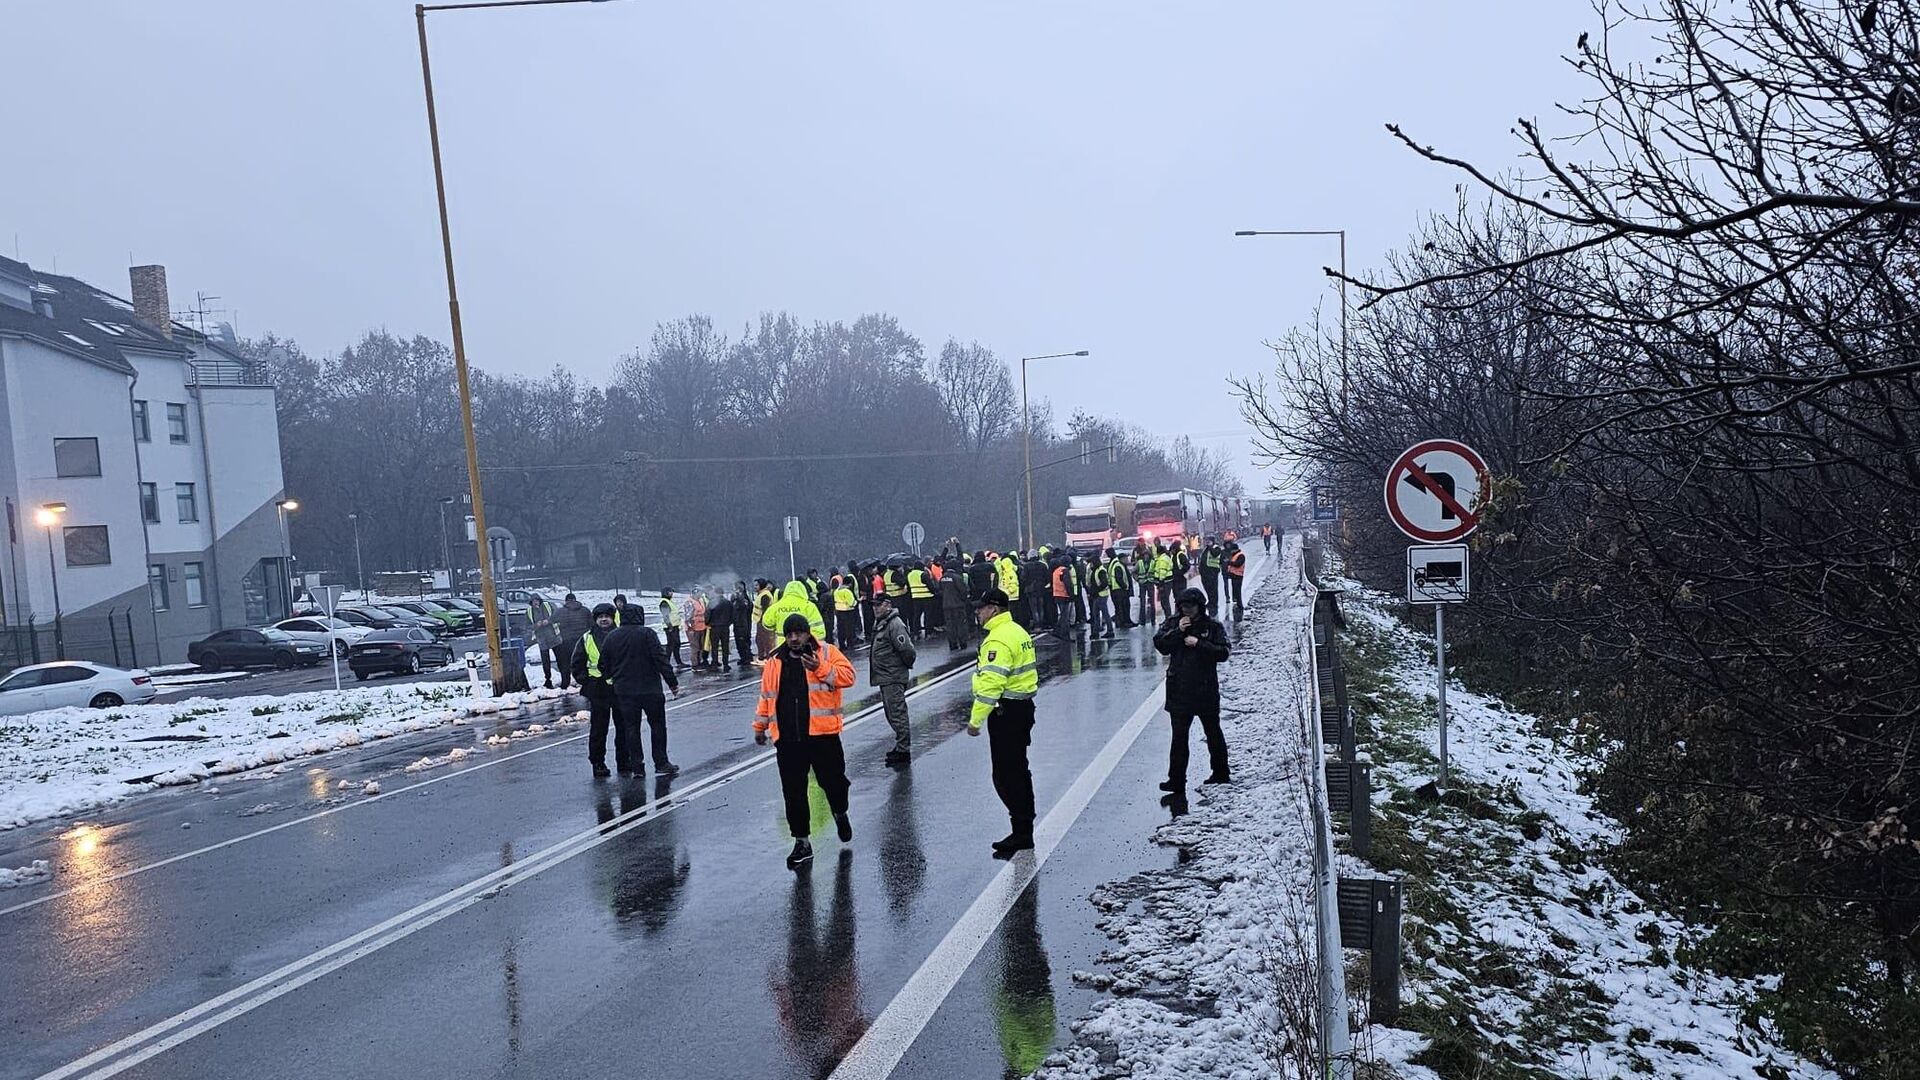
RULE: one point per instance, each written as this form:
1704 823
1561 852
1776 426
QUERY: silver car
77 683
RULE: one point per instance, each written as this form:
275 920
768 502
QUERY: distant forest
685 463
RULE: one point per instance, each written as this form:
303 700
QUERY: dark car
254 648
379 618
397 651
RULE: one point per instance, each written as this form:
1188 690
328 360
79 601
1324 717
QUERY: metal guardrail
1336 1040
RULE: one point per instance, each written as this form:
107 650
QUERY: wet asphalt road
652 928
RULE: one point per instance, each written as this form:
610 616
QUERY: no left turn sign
1436 490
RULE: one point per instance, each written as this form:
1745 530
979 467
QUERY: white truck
1098 521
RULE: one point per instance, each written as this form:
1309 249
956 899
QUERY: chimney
150 304
42 301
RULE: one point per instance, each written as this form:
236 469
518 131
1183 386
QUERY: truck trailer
1099 521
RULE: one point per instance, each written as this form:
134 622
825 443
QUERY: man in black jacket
635 663
719 625
1195 645
572 620
585 663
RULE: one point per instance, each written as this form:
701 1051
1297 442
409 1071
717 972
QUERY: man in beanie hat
1005 679
584 664
799 709
1195 644
636 664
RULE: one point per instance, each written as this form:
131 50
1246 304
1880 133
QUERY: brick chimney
150 303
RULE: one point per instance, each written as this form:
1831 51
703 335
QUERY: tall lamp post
1342 234
446 544
1026 423
48 516
487 598
286 506
359 564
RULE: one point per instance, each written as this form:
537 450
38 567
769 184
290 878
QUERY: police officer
892 658
846 612
1005 679
585 666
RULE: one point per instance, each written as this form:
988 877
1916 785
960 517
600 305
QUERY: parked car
455 621
254 648
337 633
73 683
397 652
381 617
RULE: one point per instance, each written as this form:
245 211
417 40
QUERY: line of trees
1688 345
684 464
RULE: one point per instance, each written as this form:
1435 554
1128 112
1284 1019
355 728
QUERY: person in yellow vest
793 599
585 667
763 633
1007 577
1005 679
671 623
846 610
920 592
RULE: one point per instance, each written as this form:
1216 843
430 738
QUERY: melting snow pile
38 870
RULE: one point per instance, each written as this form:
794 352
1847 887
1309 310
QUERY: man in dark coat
719 625
953 604
586 662
1195 644
743 624
634 661
572 620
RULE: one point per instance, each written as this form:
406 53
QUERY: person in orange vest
1236 577
697 627
1266 537
800 690
1058 596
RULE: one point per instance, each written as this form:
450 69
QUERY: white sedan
321 630
73 683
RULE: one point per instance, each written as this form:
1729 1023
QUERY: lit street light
1026 422
1342 234
47 517
487 597
286 506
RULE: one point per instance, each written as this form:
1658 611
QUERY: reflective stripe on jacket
825 681
793 599
1006 669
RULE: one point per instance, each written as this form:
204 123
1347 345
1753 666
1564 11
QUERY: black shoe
845 825
898 757
801 855
668 769
547 686
1012 842
1169 785
1218 778
600 771
627 772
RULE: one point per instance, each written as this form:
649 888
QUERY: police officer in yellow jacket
1005 680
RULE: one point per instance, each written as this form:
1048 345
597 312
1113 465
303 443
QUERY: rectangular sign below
1437 574
1326 505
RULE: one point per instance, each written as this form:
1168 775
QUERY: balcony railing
220 371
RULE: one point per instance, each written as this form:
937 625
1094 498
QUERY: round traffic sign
913 534
1436 490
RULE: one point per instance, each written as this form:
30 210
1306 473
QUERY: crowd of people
800 639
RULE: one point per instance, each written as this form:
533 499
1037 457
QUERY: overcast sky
1039 177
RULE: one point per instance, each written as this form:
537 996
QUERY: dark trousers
1049 610
600 717
721 656
958 631
1097 614
546 665
866 617
1123 607
673 647
743 639
1234 582
565 657
1079 608
893 698
1009 731
849 628
629 711
1022 617
1211 584
1182 730
794 755
1146 604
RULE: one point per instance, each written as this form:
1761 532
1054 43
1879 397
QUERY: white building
164 447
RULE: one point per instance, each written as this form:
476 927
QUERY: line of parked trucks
1117 521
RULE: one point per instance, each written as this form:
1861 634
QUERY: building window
142 430
157 586
87 545
150 502
76 457
196 585
176 422
183 499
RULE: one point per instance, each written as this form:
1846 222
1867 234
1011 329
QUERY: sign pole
1440 648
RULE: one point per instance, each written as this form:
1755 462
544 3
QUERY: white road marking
93 883
171 1032
885 1043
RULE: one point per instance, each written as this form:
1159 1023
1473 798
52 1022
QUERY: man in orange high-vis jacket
800 709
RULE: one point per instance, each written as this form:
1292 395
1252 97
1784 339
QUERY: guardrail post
1370 914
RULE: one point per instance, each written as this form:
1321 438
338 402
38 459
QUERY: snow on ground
1524 935
1201 954
36 871
194 677
60 761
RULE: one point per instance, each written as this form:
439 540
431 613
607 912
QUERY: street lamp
1026 423
487 599
446 545
286 506
1342 234
359 564
47 517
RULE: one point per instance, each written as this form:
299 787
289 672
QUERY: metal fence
1336 1040
107 639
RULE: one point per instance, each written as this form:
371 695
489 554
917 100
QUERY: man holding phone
1195 645
800 710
